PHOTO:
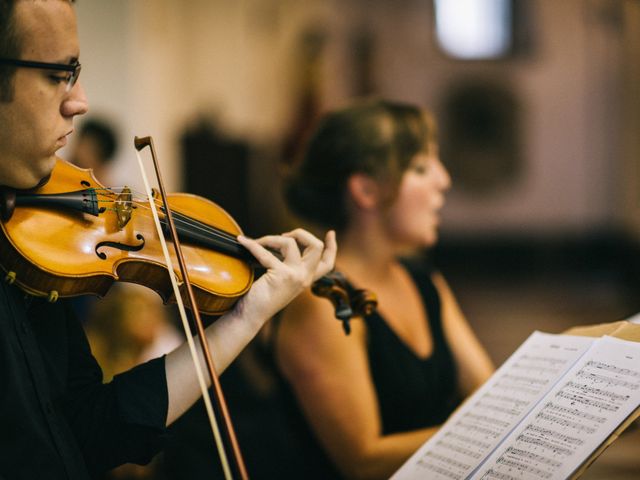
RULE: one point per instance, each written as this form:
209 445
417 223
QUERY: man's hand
304 259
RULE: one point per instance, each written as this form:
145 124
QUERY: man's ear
364 191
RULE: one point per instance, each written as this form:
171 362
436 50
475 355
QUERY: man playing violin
57 419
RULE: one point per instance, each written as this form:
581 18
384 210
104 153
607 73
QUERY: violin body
65 252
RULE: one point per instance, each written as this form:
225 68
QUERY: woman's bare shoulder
308 324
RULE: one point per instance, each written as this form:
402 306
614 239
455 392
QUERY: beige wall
629 206
153 64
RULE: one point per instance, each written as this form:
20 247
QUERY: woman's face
413 218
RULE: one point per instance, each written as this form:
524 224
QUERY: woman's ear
364 191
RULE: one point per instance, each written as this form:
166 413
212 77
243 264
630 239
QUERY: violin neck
219 241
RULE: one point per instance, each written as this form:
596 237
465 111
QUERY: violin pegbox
347 301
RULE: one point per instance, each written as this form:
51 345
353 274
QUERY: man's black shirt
57 419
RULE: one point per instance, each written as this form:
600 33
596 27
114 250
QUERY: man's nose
75 103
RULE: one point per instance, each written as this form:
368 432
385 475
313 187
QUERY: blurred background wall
540 134
542 227
156 65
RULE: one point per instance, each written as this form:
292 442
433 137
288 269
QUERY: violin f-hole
119 246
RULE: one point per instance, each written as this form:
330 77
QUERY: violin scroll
347 301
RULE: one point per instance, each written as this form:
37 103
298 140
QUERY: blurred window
474 29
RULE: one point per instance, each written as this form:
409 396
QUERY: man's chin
23 185
42 176
30 179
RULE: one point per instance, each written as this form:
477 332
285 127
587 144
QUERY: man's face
35 124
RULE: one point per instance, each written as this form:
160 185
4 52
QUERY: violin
73 236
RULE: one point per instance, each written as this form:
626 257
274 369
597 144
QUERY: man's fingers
316 259
305 239
328 259
312 247
261 254
258 248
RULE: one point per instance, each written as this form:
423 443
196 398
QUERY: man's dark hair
103 135
9 47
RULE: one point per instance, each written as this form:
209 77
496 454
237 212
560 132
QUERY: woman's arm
473 362
228 335
329 373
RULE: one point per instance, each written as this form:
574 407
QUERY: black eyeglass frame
73 68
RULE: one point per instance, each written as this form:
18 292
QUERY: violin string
182 220
185 220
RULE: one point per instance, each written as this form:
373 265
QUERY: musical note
458 448
608 380
545 432
565 423
527 380
448 460
544 444
535 368
498 475
554 362
439 470
516 402
532 456
523 467
498 408
520 388
467 440
573 412
614 369
574 398
476 428
484 418
598 391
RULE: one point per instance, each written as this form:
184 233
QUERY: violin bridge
123 205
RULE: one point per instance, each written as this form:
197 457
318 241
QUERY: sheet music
477 427
574 418
634 319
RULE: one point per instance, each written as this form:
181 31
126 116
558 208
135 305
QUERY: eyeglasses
73 68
